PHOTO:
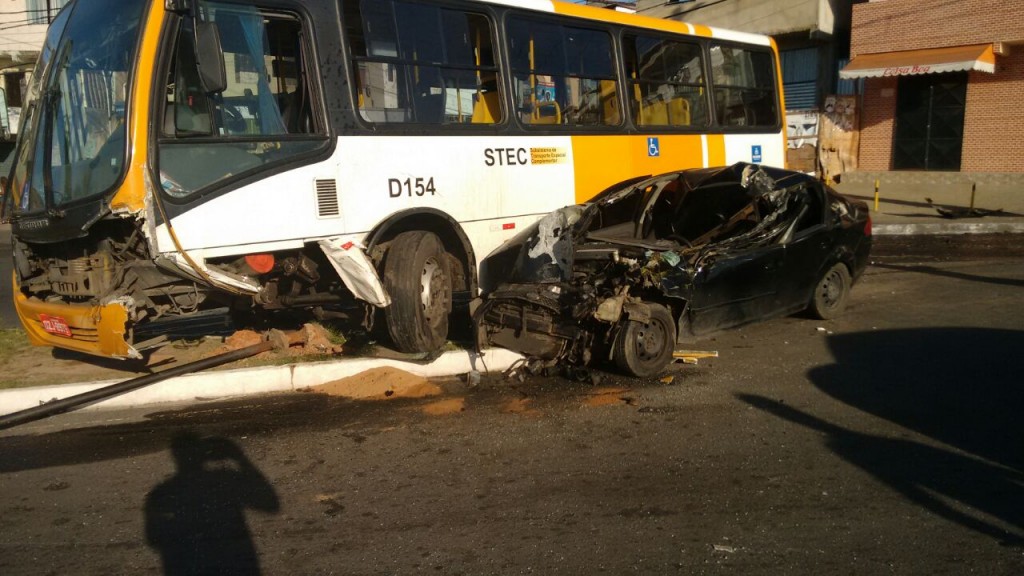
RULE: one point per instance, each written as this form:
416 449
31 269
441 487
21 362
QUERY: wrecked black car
656 261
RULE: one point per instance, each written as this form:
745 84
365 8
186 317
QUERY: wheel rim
432 289
650 342
831 289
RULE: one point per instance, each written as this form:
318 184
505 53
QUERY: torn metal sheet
349 259
220 279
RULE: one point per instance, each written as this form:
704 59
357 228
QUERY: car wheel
418 279
831 293
644 349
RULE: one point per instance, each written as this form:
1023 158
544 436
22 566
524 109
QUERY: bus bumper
96 330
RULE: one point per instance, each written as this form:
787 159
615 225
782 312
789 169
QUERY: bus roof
628 19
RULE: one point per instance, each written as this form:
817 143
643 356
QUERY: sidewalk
903 207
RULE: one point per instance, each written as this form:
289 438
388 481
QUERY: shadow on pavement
921 269
196 519
960 386
978 495
96 443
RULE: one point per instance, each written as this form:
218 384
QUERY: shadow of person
196 519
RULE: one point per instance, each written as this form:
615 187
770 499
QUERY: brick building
943 85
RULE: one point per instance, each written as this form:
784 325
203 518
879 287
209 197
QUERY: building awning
930 61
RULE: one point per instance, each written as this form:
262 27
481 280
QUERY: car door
736 289
808 250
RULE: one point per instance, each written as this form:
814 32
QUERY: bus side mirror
210 58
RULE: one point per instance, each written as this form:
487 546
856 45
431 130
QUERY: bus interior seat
548 112
660 112
487 108
679 111
654 113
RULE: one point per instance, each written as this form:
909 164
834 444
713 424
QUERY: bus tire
418 278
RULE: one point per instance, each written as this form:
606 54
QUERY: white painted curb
947 228
261 380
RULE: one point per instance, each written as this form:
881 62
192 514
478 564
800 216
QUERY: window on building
668 84
422 64
800 78
44 11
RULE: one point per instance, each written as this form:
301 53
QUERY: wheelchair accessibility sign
653 148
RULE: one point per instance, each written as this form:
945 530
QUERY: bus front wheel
418 278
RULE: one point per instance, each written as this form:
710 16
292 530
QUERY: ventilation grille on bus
327 198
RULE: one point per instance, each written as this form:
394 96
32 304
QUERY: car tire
418 278
644 349
831 293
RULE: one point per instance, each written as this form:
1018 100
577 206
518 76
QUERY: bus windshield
74 133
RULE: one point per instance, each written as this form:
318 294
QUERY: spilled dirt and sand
380 384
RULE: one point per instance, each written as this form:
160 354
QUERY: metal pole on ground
54 407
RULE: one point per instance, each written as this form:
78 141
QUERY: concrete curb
259 380
934 228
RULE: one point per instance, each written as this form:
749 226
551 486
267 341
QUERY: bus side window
562 74
419 63
668 85
265 115
744 87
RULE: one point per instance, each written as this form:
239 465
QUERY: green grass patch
12 342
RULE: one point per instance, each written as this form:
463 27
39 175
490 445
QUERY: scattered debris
310 340
331 505
693 356
667 379
609 397
445 407
954 212
724 548
56 486
519 406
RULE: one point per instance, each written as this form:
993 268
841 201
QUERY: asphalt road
887 441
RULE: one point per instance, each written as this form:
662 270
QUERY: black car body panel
719 247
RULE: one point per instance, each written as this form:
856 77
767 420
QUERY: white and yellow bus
182 156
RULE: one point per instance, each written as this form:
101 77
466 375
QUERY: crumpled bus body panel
97 330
